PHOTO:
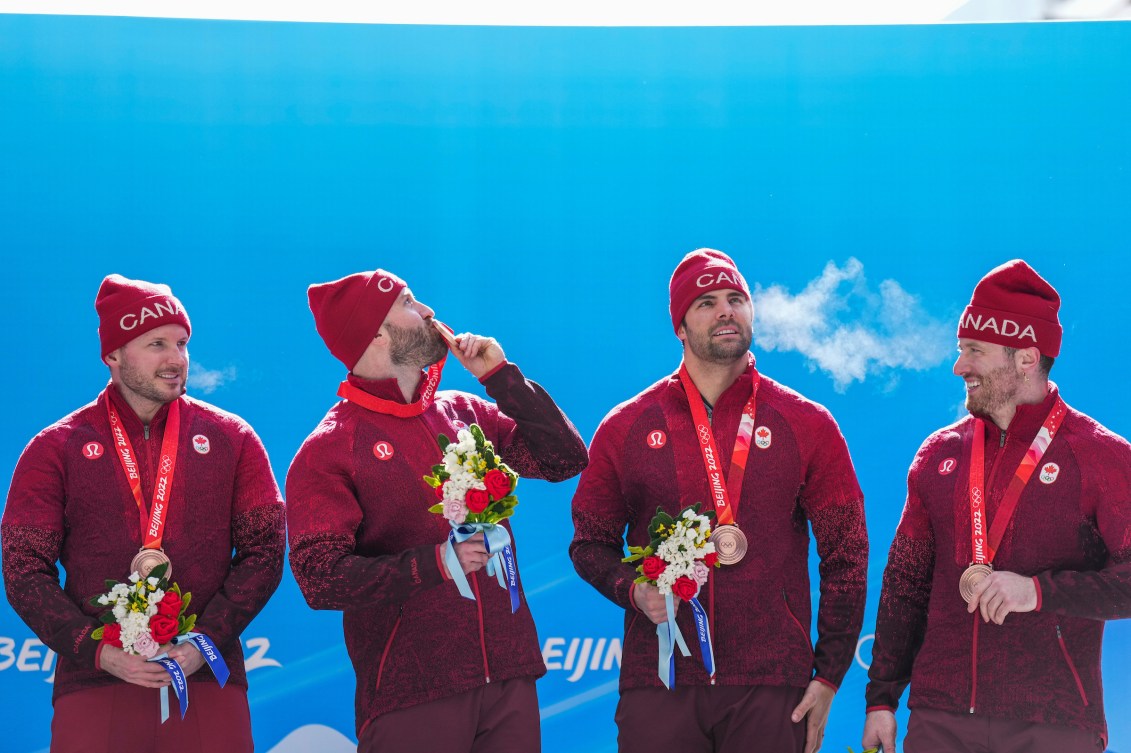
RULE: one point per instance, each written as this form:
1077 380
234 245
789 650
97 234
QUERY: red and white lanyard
726 496
984 545
360 397
153 523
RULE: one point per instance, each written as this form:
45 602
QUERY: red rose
163 627
477 500
112 635
170 605
684 587
652 567
498 483
440 491
711 559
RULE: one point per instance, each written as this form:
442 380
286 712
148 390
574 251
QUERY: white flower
134 577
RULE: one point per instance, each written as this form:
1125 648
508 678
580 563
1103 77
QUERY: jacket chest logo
92 451
656 439
947 466
763 437
383 450
200 444
1049 472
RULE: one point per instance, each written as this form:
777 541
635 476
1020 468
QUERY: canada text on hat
701 271
1015 307
130 308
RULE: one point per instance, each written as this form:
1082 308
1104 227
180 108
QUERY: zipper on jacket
145 430
388 645
797 622
1001 442
974 665
482 637
711 615
1071 665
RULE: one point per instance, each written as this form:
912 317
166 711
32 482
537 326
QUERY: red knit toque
701 271
348 312
1014 306
130 308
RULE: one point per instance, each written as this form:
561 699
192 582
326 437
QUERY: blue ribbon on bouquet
703 633
180 686
211 654
501 564
669 637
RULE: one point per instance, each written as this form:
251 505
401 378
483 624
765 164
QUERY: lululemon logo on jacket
1049 472
383 451
946 466
763 437
200 444
656 439
92 451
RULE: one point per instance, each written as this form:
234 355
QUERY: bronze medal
971 577
730 544
147 559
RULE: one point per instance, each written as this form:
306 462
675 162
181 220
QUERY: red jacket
71 505
363 541
1072 534
759 609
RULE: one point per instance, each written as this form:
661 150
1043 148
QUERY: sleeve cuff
1040 599
483 379
870 709
98 656
632 598
823 681
440 562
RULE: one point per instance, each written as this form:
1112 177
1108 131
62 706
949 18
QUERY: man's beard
149 388
418 347
998 387
706 348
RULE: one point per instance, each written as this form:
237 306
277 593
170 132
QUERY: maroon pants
128 717
709 719
500 717
931 731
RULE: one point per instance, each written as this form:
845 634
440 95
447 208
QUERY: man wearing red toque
435 671
143 466
1013 549
789 469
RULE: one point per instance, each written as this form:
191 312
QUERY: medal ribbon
985 546
722 494
153 524
360 397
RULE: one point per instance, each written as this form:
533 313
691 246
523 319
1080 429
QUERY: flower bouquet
145 615
678 561
476 493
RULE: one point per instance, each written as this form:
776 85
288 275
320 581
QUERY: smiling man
1013 549
143 466
435 671
789 469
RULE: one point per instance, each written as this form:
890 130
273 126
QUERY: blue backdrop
538 185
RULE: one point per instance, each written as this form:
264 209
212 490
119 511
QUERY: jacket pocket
1071 665
797 622
388 645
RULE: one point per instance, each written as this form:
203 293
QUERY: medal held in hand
985 539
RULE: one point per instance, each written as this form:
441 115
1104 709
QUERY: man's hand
472 555
814 706
1002 592
879 731
477 353
133 669
188 656
651 603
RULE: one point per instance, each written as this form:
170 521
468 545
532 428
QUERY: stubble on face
415 346
149 386
997 388
706 347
